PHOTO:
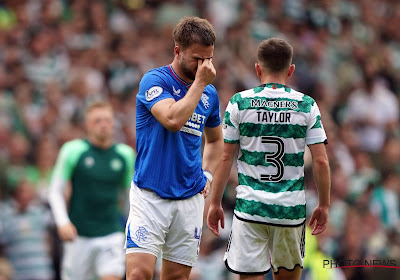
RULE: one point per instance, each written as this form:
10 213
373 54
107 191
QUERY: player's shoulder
292 93
211 88
125 151
123 147
211 91
153 82
307 99
74 145
156 73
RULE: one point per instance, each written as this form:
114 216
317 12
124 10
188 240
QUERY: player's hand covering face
193 56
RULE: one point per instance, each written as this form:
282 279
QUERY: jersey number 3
275 158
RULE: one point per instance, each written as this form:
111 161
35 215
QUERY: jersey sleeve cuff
231 141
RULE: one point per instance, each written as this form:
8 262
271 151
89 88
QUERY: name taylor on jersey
271 116
274 117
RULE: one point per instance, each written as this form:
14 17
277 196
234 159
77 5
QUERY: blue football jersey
170 163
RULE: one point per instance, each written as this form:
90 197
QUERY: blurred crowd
58 55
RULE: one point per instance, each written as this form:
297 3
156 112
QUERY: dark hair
275 55
192 30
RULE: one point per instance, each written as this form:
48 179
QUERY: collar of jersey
97 148
276 86
177 77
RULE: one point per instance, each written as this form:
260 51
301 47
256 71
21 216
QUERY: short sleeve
214 119
68 157
153 88
230 128
315 129
129 156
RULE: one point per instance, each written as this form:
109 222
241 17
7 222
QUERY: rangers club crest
204 99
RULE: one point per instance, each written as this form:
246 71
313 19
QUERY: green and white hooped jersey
272 123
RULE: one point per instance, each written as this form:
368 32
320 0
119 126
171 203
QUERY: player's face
188 58
100 123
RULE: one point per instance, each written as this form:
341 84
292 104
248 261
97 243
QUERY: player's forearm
220 180
212 154
322 180
221 177
57 202
179 112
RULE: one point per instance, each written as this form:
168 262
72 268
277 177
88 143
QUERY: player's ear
292 67
176 50
258 69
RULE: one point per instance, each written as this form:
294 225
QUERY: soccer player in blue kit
175 105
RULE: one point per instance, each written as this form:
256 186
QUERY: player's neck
277 79
100 143
177 70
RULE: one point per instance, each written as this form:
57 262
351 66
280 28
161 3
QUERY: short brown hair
192 30
275 55
98 104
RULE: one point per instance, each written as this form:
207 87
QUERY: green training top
97 177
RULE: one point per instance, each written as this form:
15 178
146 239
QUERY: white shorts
253 248
172 227
88 257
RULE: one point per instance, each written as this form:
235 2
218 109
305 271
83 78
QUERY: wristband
208 175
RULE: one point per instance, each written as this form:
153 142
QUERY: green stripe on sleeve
227 119
317 123
231 141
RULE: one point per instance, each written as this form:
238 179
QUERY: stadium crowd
56 56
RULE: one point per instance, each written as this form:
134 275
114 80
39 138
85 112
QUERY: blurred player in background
175 105
98 170
270 125
25 225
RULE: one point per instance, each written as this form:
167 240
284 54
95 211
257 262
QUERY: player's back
272 123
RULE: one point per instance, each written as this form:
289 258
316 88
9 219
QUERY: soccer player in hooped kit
176 104
270 125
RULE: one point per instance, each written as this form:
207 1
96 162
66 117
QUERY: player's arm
174 114
213 146
129 156
216 212
321 173
58 183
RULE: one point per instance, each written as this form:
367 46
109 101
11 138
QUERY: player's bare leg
288 275
252 277
140 266
110 277
174 271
